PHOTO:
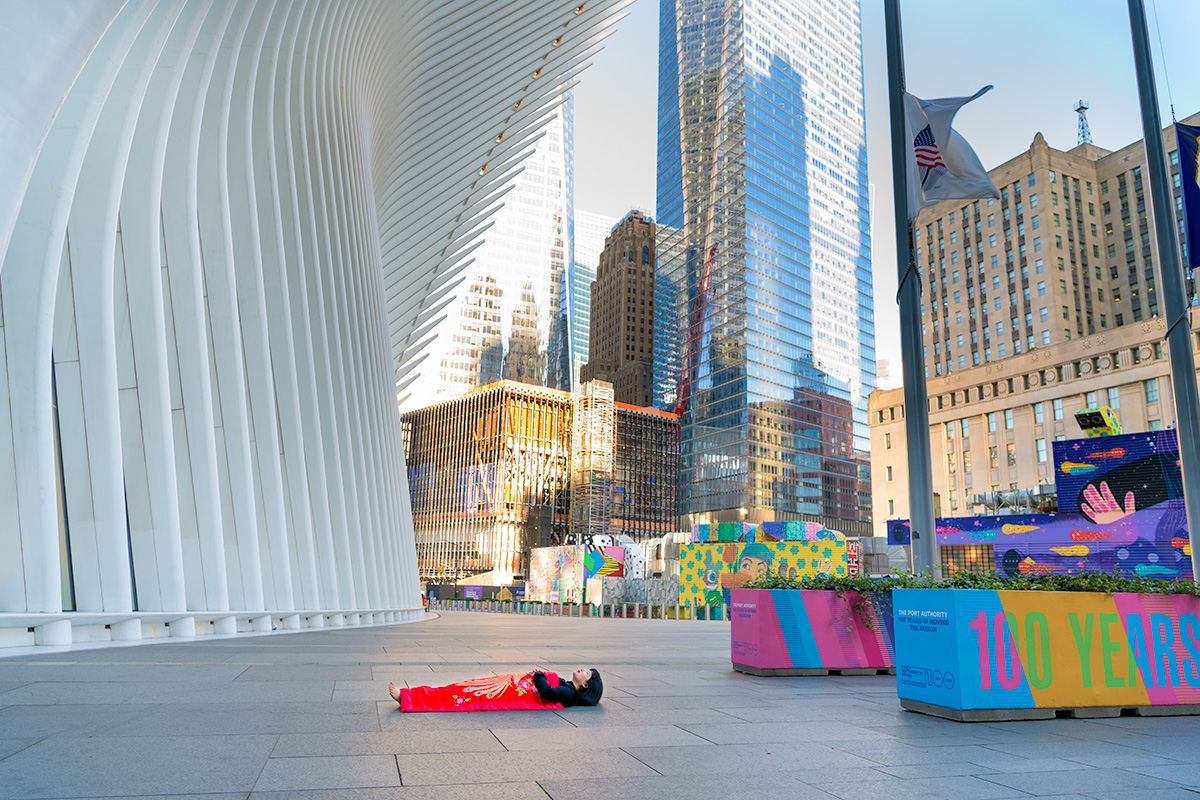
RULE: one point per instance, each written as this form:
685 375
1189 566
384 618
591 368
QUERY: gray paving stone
1085 752
307 672
896 753
552 764
115 693
119 766
1187 775
740 759
10 745
391 718
1146 794
940 769
676 787
387 743
946 788
328 772
523 790
1049 783
597 737
64 720
1002 762
253 718
315 702
744 733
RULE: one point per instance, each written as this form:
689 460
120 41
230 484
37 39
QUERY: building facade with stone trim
991 426
621 345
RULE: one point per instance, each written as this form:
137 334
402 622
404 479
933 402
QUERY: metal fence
600 611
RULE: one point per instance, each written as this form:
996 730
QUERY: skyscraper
504 322
764 324
621 348
590 231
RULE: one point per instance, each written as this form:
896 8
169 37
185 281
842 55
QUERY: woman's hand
1101 507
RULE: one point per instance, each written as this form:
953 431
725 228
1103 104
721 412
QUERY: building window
1038 414
994 458
891 508
1012 454
1155 425
1057 406
1152 390
887 441
1041 450
1008 419
976 559
1114 398
889 473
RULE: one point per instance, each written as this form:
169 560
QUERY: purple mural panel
1120 511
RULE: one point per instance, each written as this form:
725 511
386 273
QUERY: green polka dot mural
710 569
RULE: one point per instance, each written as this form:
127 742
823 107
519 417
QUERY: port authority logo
926 678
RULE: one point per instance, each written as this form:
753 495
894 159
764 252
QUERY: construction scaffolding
645 465
592 441
510 466
488 475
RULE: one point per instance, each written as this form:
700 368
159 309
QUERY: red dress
513 691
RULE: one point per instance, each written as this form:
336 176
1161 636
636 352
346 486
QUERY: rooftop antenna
1085 132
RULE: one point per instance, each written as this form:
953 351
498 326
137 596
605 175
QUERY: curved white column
227 231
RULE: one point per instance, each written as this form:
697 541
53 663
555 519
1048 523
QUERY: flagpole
916 397
1175 301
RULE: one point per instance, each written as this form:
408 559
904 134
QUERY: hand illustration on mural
1101 507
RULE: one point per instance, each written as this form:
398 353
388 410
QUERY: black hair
590 694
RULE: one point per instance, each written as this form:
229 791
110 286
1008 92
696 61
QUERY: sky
1041 55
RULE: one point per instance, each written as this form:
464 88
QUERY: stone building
991 426
621 347
1066 252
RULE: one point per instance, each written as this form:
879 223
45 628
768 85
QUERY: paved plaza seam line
635 758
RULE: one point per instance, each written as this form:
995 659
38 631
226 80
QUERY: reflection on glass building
590 231
764 324
504 320
494 473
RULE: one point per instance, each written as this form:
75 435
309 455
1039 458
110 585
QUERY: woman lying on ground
509 692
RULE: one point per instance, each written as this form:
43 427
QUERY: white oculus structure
227 229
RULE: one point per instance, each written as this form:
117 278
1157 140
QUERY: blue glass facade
764 321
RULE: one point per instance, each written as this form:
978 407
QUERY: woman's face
581 676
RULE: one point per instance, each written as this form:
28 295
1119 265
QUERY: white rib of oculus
226 230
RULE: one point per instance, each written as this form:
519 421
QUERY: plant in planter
979 647
813 626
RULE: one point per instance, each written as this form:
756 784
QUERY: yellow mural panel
709 570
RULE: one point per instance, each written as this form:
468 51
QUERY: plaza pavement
306 715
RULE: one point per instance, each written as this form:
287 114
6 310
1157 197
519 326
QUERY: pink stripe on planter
1172 606
773 651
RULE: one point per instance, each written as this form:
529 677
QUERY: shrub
1078 582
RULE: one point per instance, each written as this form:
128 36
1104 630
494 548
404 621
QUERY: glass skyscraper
503 322
764 321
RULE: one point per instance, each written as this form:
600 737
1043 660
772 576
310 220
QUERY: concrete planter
803 632
979 655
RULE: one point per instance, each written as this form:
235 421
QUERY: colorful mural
709 570
808 630
980 649
1120 501
794 531
559 574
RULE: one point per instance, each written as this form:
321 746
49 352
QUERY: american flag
926 150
